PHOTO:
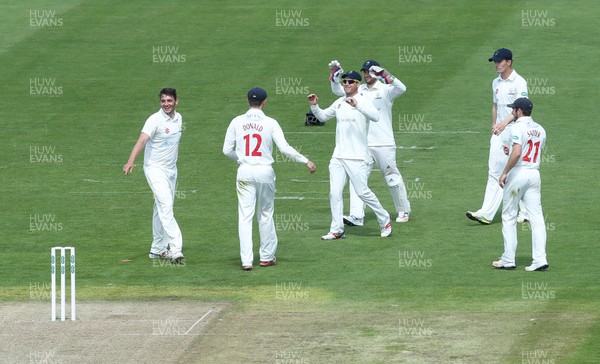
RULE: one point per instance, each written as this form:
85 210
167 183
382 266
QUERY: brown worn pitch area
198 332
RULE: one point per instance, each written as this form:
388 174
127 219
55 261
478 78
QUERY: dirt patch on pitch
104 332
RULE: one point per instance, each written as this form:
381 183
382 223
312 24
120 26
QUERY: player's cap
367 65
257 94
500 55
353 75
522 103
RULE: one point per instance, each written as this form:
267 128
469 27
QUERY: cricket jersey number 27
253 142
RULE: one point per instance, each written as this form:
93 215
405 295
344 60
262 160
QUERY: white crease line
397 132
415 147
310 132
440 132
118 192
307 181
200 319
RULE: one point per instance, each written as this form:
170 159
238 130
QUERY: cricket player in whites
249 142
160 137
382 89
350 158
506 88
521 182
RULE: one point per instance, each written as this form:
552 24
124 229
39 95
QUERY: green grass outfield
79 78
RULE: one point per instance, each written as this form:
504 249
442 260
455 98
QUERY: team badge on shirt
167 130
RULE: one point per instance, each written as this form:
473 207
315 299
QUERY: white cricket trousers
339 172
165 231
493 192
523 185
385 158
256 191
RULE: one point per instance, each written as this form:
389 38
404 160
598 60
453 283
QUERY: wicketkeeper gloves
311 119
382 74
336 71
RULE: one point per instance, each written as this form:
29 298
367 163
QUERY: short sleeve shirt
163 146
505 92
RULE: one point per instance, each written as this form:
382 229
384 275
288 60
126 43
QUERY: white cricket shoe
503 264
537 267
333 236
402 216
476 217
386 230
353 220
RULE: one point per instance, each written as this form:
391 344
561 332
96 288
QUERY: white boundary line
200 319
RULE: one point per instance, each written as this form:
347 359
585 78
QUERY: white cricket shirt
381 133
249 140
532 138
165 133
505 92
352 125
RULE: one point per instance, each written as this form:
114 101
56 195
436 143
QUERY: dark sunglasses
349 81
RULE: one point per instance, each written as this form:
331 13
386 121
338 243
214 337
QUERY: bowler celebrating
160 137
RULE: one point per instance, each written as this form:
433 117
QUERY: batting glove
336 71
382 74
